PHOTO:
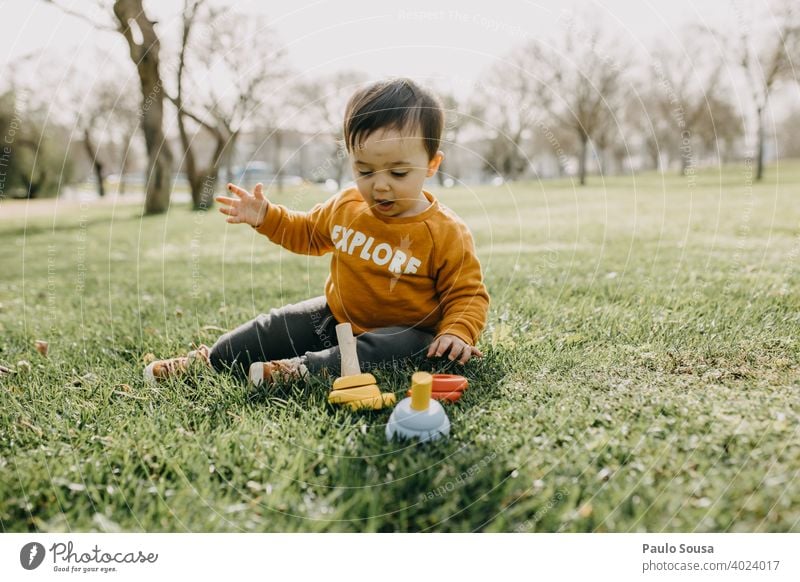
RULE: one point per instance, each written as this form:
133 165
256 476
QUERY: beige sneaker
276 370
160 370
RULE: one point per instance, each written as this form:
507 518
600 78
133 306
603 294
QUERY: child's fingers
238 191
259 191
457 350
465 355
225 200
433 348
228 211
444 345
233 219
476 352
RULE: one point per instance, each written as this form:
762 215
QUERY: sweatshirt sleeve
306 233
462 295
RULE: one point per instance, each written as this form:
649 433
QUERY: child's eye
395 174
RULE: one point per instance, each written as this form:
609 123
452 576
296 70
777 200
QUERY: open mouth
384 205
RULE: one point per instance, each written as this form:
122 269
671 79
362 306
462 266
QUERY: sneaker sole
256 373
149 376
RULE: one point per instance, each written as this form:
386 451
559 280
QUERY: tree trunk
203 186
211 175
619 161
228 154
126 162
33 186
96 165
145 57
685 157
760 146
341 162
655 155
582 161
203 183
276 160
440 175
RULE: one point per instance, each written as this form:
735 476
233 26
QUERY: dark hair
394 103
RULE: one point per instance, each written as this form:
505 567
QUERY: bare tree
126 121
104 117
719 128
139 32
240 48
505 101
611 143
457 118
579 82
554 144
93 152
202 181
652 122
143 42
320 105
686 82
766 61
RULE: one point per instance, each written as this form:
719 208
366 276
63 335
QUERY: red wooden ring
449 383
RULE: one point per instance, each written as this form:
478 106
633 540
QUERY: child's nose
381 183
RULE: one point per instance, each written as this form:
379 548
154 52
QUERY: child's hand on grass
457 347
247 208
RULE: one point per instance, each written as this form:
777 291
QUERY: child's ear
434 164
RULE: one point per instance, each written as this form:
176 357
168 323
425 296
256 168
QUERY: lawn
641 371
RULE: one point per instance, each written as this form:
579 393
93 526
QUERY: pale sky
422 39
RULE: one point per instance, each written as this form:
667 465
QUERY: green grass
641 372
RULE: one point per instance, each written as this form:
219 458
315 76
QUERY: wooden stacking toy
352 388
419 416
447 387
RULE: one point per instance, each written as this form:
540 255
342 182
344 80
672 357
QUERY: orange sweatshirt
411 271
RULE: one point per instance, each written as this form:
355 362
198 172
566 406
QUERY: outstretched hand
248 208
457 347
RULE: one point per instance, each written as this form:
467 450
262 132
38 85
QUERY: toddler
404 272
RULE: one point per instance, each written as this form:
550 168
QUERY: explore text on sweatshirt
409 271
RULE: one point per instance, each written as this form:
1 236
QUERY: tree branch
193 116
84 17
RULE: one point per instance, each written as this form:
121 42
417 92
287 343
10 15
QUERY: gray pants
307 329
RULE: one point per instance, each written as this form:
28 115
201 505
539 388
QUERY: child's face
390 167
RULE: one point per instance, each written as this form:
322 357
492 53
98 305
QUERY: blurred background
156 103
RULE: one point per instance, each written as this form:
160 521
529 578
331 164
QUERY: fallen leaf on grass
604 474
41 347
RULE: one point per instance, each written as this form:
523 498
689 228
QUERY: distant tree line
578 101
